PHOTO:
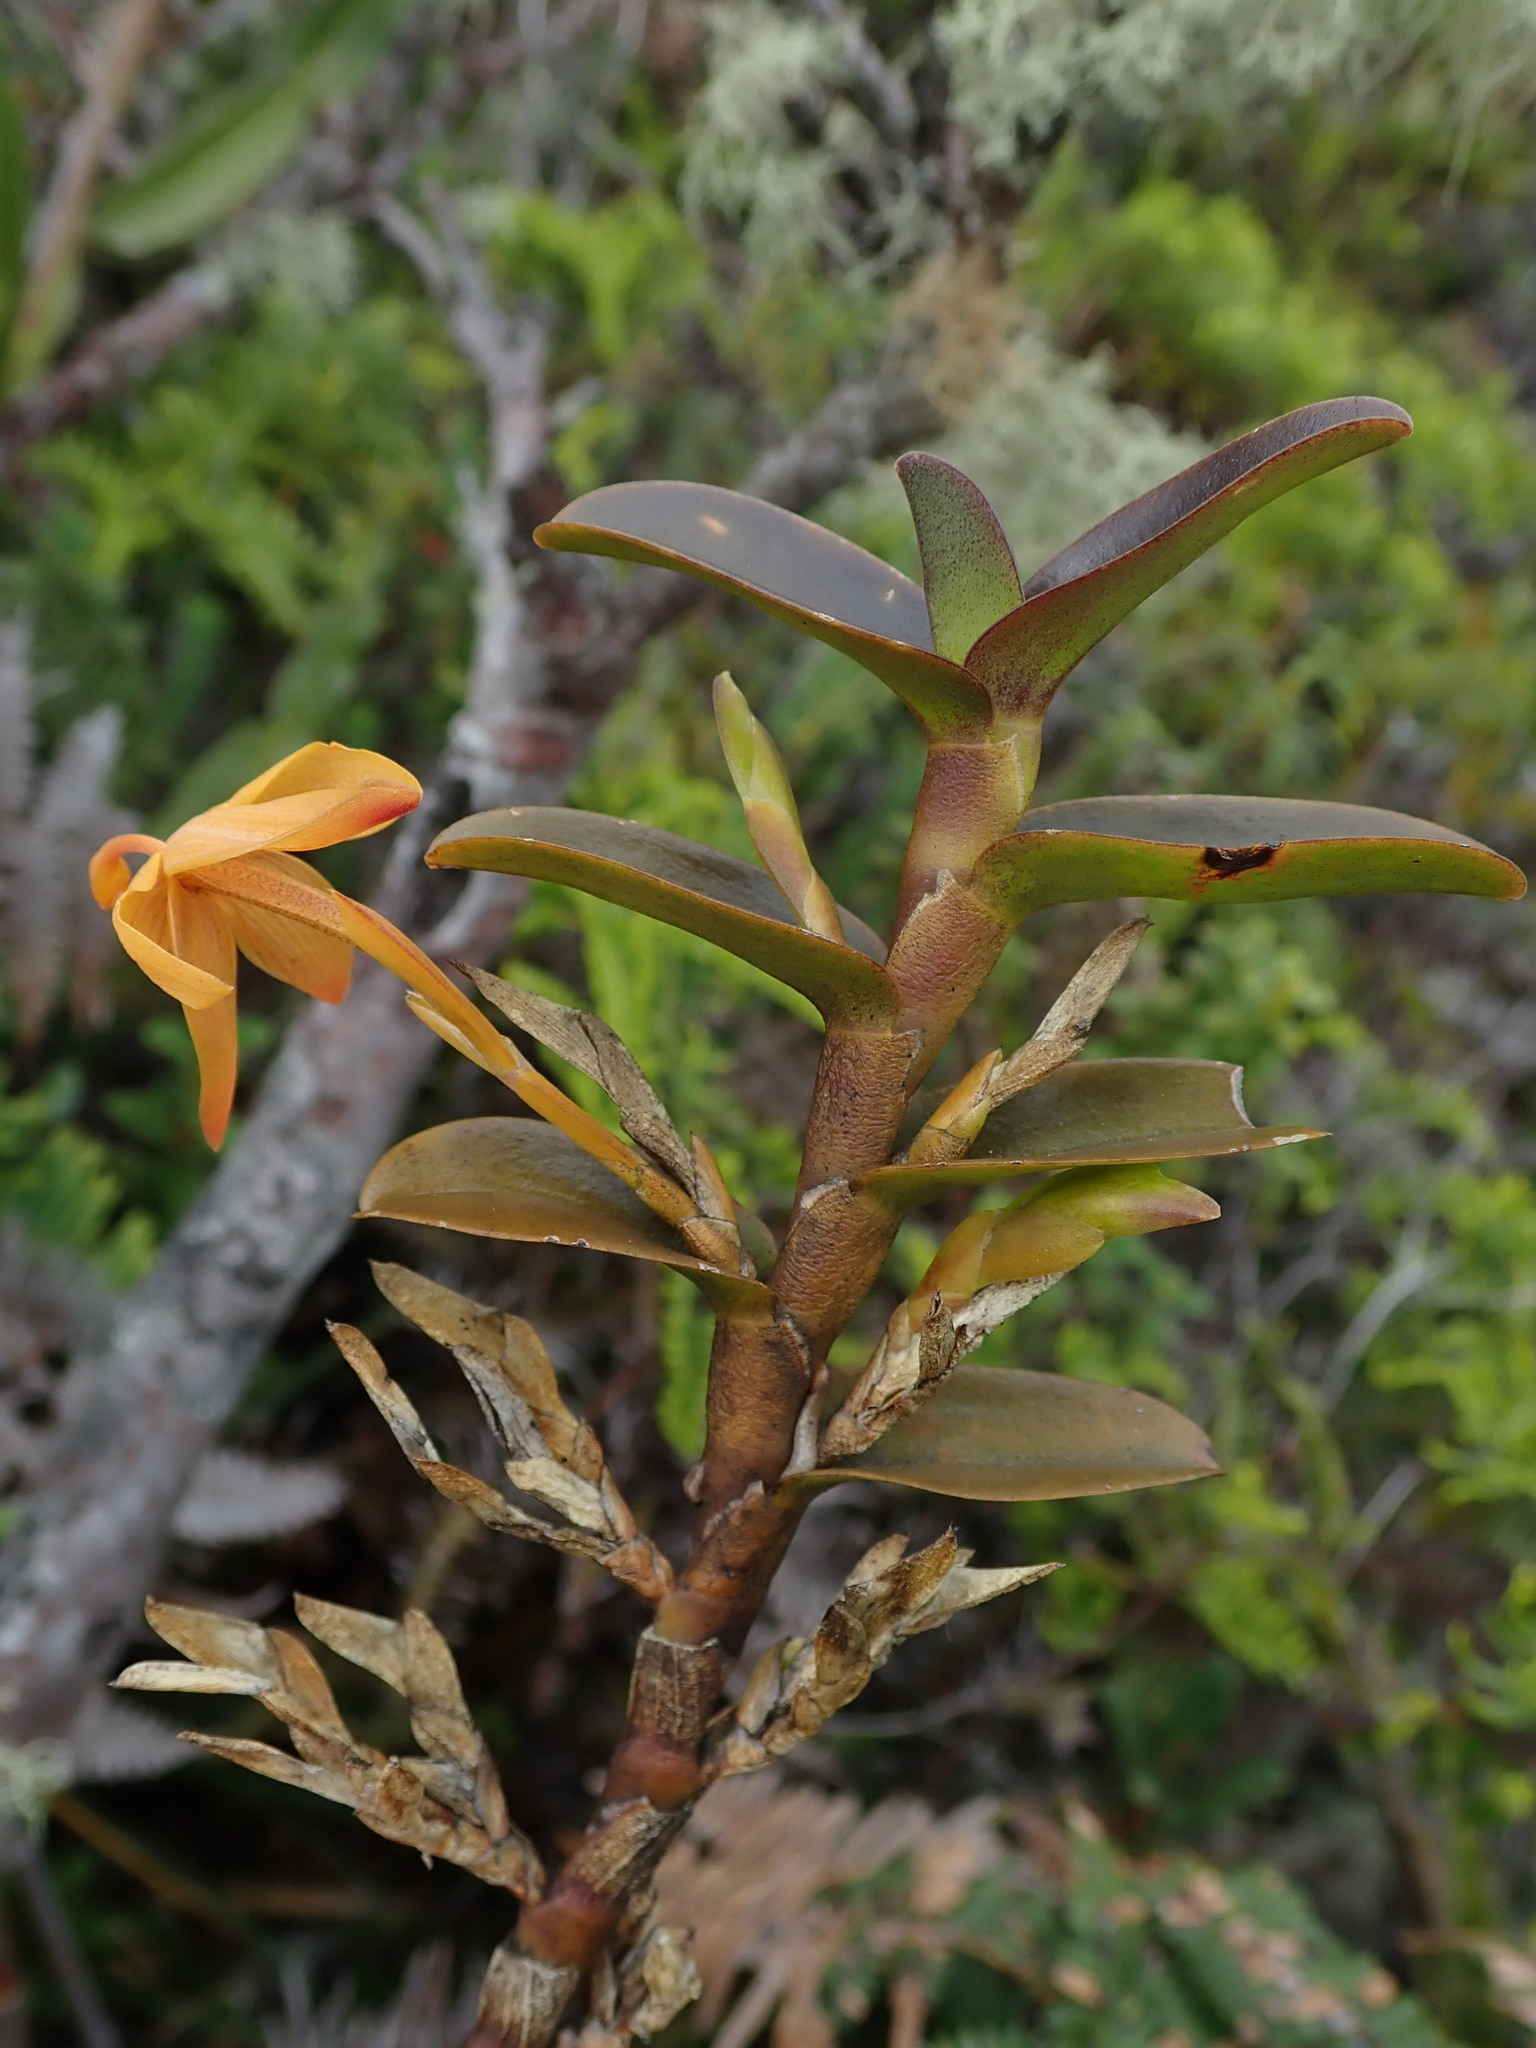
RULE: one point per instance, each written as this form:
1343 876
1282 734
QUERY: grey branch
73 1574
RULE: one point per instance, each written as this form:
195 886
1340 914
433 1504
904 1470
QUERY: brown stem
942 956
972 795
763 1375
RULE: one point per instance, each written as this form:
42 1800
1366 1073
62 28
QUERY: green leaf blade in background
993 1433
231 149
1230 849
15 206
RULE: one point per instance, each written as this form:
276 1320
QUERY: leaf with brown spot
1183 848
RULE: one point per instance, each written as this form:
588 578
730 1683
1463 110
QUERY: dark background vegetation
1100 238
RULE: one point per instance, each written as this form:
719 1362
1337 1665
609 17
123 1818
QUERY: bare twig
91 2017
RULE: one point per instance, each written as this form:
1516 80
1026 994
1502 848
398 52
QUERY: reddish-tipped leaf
990 1433
787 566
1075 598
1229 849
733 904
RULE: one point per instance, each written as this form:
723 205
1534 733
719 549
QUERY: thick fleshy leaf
970 579
1075 598
1229 849
788 566
729 902
990 1433
1054 1226
1099 1112
515 1177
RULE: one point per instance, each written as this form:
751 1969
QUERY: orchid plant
977 654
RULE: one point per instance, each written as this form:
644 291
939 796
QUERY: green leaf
1075 598
516 1177
990 1433
1099 1112
970 579
729 902
1054 1226
1229 849
789 567
230 149
15 205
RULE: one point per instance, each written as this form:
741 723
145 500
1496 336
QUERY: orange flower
227 882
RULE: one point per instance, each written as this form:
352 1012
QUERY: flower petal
326 765
200 930
215 1039
319 963
142 920
278 882
319 796
110 874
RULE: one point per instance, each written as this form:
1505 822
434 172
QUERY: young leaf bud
772 816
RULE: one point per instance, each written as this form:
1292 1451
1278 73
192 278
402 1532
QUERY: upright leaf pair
978 652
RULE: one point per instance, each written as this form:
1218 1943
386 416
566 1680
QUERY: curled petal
110 873
327 765
142 921
319 796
